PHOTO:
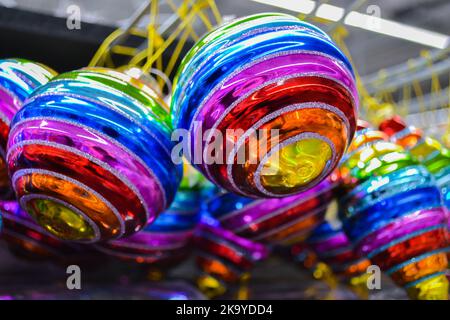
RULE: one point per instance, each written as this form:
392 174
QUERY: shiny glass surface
254 73
96 142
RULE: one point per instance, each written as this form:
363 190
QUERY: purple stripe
153 240
335 242
257 250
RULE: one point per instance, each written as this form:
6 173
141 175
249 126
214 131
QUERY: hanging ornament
89 155
393 214
18 79
430 152
269 103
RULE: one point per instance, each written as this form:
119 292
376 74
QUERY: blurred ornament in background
393 214
430 152
18 79
377 111
242 224
167 241
164 243
224 257
332 246
277 221
270 73
89 155
27 239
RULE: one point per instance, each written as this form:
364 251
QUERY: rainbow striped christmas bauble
394 215
18 79
269 103
89 155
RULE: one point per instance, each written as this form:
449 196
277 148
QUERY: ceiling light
300 6
396 29
365 21
330 12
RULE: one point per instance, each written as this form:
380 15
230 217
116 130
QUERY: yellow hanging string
103 54
99 55
138 58
446 137
159 66
374 110
390 99
406 100
186 12
109 61
152 27
182 12
215 11
418 92
168 42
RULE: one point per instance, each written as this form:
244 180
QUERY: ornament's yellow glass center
296 164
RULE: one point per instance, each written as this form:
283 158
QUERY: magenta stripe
257 250
154 240
332 243
9 105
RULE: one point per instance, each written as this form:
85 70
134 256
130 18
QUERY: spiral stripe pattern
281 221
18 79
430 152
89 155
223 254
266 72
394 215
